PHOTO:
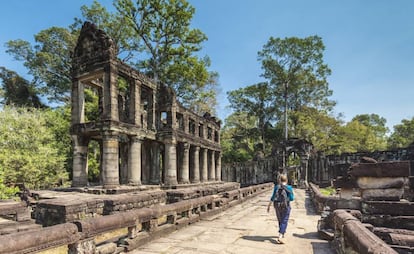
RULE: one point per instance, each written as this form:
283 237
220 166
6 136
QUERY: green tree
238 137
6 192
28 150
48 61
297 74
319 128
403 134
377 126
162 31
17 91
256 101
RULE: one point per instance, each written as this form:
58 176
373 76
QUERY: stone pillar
134 161
204 170
212 169
110 161
78 102
155 163
185 173
196 165
124 162
80 161
110 93
218 167
170 164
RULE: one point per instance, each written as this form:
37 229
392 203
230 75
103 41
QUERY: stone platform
70 204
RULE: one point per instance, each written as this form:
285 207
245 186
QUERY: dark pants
283 218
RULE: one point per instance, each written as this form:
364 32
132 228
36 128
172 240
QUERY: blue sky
369 44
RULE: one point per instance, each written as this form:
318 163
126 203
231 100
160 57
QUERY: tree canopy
403 134
17 91
296 71
29 149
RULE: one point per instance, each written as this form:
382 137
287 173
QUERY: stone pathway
248 229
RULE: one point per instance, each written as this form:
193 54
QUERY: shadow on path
259 238
309 235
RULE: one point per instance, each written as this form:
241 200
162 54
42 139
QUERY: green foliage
255 100
29 152
161 30
317 127
93 161
297 82
48 61
403 134
6 192
328 191
17 91
296 72
238 138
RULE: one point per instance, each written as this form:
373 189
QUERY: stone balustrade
124 231
352 236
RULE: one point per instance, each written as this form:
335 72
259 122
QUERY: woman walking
281 197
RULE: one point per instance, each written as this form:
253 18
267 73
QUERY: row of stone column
192 169
197 170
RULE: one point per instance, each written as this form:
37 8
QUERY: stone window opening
209 133
123 99
201 131
191 126
92 104
216 137
163 119
180 121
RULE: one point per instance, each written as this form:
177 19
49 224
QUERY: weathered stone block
382 169
366 182
388 207
391 194
389 221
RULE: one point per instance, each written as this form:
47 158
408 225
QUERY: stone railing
124 231
323 202
352 236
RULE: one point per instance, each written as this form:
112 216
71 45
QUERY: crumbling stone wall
252 172
145 135
324 168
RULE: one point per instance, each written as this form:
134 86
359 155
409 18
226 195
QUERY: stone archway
300 147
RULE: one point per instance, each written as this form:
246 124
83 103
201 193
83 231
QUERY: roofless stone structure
145 135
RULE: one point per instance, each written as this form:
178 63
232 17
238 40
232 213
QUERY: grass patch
328 191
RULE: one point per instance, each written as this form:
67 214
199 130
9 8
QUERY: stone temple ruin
145 135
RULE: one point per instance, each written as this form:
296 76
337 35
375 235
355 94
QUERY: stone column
170 164
78 102
185 173
134 161
212 169
155 163
110 161
80 161
196 165
204 170
218 167
110 93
